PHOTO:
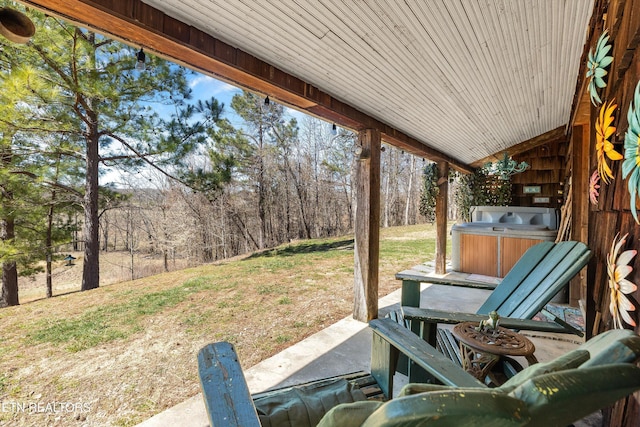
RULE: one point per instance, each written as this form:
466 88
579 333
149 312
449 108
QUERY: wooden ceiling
454 80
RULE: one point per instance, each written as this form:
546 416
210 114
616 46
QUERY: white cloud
213 87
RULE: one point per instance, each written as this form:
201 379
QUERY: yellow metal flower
604 147
619 286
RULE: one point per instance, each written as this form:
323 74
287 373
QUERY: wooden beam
553 136
441 217
580 205
367 226
593 30
137 23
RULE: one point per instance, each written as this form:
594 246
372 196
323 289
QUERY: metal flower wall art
594 186
604 147
631 164
618 269
596 64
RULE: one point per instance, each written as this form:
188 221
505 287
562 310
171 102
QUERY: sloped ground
119 354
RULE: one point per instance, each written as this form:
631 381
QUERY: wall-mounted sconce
266 101
361 153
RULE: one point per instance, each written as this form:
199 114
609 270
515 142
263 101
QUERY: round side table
481 350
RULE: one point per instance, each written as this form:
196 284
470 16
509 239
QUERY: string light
140 65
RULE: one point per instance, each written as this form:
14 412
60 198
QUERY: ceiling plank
135 22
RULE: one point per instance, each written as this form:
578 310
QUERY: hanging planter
594 185
631 164
618 269
604 147
596 64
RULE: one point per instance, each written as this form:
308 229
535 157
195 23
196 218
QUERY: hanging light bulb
266 101
140 65
334 130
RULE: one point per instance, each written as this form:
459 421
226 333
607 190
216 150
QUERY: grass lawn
124 352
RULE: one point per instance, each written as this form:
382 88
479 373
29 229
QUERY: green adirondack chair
530 285
553 399
555 393
534 280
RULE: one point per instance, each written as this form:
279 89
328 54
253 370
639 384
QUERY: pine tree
84 92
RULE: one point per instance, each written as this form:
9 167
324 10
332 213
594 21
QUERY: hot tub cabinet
497 237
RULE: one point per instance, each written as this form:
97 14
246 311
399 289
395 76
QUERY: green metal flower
631 163
596 64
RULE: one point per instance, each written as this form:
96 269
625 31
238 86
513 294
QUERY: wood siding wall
612 215
547 164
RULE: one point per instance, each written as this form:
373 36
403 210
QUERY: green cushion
614 346
349 414
415 388
451 408
569 360
304 406
560 398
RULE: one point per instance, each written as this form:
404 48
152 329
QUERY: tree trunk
412 169
9 268
7 234
48 244
91 267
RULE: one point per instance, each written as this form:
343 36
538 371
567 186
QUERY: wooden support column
441 217
579 206
367 226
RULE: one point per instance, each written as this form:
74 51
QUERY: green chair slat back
536 278
560 398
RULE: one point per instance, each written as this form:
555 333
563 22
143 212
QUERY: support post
367 226
580 208
441 217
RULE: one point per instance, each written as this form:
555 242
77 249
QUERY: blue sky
204 88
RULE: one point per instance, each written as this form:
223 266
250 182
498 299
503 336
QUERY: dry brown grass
128 350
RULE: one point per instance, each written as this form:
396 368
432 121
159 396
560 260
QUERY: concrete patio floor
345 347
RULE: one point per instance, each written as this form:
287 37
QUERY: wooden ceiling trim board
463 96
499 25
581 83
486 55
570 62
552 137
503 23
293 11
512 32
432 45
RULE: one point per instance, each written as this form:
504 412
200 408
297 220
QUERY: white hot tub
497 236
